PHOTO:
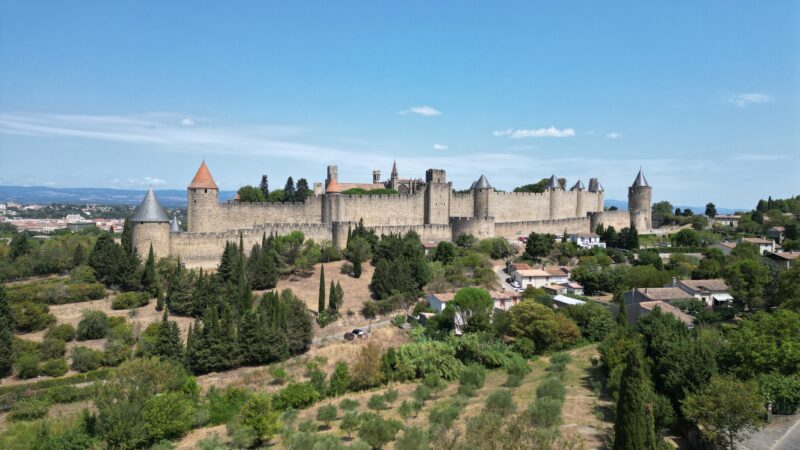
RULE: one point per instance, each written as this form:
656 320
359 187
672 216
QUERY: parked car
358 332
349 336
516 284
510 281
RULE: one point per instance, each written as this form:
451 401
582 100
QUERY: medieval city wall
243 215
205 249
513 230
462 205
377 210
516 206
616 219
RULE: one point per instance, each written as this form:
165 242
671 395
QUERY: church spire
394 169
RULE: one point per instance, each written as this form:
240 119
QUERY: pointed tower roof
578 186
482 183
150 210
640 180
553 183
203 179
333 187
594 185
174 226
394 169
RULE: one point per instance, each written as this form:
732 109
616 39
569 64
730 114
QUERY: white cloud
539 132
422 111
188 122
439 147
745 100
138 182
614 135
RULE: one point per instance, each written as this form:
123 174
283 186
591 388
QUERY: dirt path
583 409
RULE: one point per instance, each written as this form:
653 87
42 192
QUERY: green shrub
52 348
68 394
560 358
29 409
130 300
376 402
391 396
85 359
422 393
443 414
348 404
65 332
29 316
55 367
473 375
500 402
513 380
551 387
518 366
224 404
326 414
71 439
295 395
27 366
82 274
168 415
83 292
93 325
279 374
546 412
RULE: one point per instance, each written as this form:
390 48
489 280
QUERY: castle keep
429 207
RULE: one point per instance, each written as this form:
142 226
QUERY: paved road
782 434
501 278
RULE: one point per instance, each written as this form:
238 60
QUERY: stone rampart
513 230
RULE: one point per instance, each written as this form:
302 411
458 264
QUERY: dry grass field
356 290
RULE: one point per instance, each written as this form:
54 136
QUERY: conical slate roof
482 183
553 183
594 185
150 210
640 180
174 226
578 186
203 179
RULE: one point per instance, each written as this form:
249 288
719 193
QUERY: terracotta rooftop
203 179
667 293
520 266
333 187
787 255
757 240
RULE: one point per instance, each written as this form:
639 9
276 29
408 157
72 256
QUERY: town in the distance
333 310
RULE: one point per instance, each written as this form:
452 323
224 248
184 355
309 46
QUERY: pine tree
301 191
127 236
6 335
168 344
288 190
357 265
265 186
321 300
630 427
149 280
78 255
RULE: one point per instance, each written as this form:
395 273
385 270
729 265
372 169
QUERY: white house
563 300
764 245
711 292
527 276
586 240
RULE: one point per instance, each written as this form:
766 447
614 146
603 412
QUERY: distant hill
173 198
623 204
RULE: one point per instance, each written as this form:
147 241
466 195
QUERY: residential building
725 247
776 233
560 301
728 220
785 259
503 300
586 240
712 292
636 311
569 287
764 245
666 294
526 276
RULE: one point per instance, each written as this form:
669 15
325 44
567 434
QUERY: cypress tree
321 300
6 336
357 265
160 301
78 255
622 318
149 281
127 236
288 190
169 345
630 428
652 437
332 307
265 186
339 296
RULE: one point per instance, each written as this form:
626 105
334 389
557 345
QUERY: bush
551 387
68 394
348 404
29 409
130 300
279 374
422 393
93 325
376 402
513 381
473 375
65 332
168 415
443 414
27 366
295 395
55 367
223 405
391 396
546 412
326 414
29 316
500 402
52 348
85 359
82 274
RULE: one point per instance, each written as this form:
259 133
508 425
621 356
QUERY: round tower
597 188
481 191
202 202
580 201
640 196
150 227
555 190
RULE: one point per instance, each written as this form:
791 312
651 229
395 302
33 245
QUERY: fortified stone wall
520 206
480 227
461 205
205 249
151 232
235 215
513 230
616 219
382 209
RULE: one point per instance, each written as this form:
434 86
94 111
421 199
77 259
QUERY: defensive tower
555 190
150 227
437 197
639 200
202 202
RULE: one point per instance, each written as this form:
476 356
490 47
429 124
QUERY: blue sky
704 95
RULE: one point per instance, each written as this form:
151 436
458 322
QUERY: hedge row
65 390
56 292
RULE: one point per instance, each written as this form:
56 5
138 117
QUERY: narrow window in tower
205 191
